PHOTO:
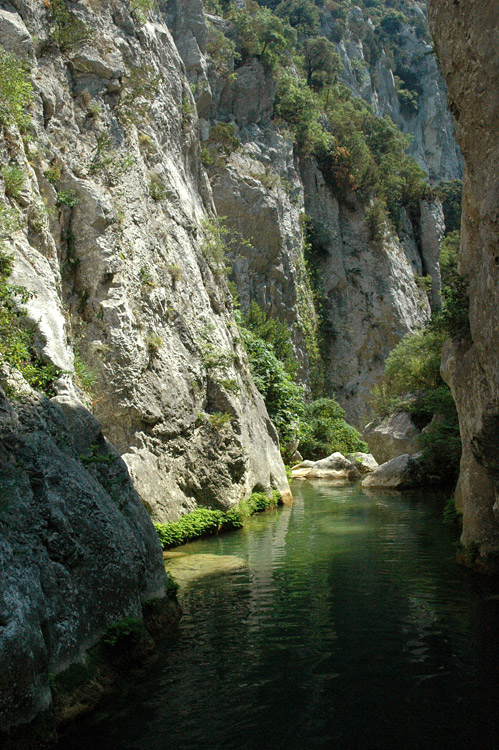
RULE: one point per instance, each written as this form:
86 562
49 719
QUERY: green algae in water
186 568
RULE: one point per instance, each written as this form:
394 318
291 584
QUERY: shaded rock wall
78 550
467 36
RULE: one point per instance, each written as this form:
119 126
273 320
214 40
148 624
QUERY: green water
340 622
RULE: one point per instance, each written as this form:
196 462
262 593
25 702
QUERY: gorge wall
113 227
467 35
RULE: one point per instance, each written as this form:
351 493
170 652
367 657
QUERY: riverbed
341 621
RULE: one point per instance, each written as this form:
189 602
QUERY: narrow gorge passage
341 621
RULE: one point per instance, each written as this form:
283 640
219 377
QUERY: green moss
206 521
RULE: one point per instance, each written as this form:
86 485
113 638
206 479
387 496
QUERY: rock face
466 36
400 473
135 312
123 268
372 295
78 550
392 436
428 121
365 462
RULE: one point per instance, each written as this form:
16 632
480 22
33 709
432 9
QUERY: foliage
284 398
68 31
328 432
206 521
123 634
85 377
449 252
219 420
157 190
450 193
224 133
201 522
412 382
141 9
16 90
14 179
322 62
274 332
17 340
66 198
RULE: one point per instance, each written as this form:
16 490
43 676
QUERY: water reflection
341 621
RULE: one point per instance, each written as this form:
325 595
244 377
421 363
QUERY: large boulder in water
401 472
392 436
365 462
335 466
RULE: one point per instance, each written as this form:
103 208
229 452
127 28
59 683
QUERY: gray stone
400 473
365 462
391 436
335 466
78 549
466 40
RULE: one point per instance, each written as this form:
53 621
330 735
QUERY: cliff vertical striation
467 37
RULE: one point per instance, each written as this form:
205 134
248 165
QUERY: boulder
365 462
401 472
335 466
392 436
303 465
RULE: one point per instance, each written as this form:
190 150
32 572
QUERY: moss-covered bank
206 521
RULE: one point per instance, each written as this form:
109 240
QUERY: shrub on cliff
412 381
328 432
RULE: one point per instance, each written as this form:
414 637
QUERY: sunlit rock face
466 38
121 276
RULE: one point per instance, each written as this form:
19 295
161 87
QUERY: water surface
339 622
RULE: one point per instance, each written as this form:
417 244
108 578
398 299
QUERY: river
341 621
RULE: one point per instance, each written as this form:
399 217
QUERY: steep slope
369 294
105 211
467 36
114 173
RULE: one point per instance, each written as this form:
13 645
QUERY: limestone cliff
372 295
425 117
109 228
467 36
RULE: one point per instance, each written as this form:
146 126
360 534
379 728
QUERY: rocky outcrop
402 472
121 263
78 550
466 37
372 295
427 120
335 466
365 462
133 309
391 436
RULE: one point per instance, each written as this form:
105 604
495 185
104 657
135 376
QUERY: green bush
412 382
14 179
283 397
201 522
206 521
124 634
328 432
17 346
68 31
16 90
